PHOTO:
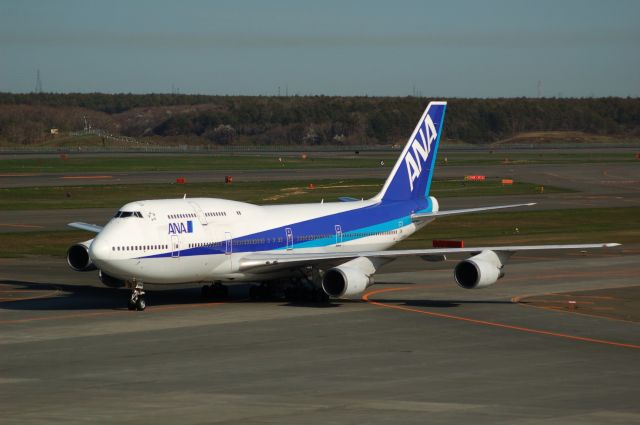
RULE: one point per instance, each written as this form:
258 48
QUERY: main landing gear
307 288
302 294
137 301
261 292
214 292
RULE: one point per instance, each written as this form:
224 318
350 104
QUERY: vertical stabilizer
412 174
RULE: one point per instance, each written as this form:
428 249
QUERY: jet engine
78 257
480 270
110 281
344 281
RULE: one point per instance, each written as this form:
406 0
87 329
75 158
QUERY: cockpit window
124 214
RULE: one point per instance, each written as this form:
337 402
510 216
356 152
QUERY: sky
452 48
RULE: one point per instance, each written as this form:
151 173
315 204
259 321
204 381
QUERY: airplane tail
411 176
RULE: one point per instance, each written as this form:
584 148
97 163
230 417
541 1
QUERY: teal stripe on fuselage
351 234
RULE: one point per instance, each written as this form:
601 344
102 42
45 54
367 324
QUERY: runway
421 350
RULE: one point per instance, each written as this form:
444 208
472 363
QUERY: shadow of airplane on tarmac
437 303
25 295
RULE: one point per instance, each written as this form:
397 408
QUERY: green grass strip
114 196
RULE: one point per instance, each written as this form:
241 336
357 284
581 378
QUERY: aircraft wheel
141 304
204 292
254 293
219 291
291 294
321 297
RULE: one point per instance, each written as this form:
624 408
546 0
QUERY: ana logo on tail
421 146
416 162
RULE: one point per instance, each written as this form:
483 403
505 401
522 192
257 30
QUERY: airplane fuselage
204 239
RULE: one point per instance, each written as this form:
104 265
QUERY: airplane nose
99 250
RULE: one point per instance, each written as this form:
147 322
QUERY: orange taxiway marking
366 297
519 301
35 297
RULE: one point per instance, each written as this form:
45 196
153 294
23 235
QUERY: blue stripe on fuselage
381 217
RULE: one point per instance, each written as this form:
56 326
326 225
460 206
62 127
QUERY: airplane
326 250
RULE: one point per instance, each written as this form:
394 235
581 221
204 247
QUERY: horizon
426 98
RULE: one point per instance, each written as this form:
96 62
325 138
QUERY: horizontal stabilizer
419 216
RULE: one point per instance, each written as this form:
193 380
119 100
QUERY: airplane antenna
185 196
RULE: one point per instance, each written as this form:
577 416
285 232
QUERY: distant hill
311 120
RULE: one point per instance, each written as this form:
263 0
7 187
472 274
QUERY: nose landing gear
137 301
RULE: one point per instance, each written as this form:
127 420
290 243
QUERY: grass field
114 196
566 226
185 162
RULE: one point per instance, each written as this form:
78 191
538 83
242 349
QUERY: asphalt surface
420 351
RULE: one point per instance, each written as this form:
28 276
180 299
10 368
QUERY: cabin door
338 235
289 233
228 243
175 246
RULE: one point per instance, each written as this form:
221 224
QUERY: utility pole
38 82
539 88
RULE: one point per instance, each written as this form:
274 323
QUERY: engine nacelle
110 281
78 257
479 271
344 281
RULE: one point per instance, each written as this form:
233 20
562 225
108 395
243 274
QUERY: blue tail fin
411 176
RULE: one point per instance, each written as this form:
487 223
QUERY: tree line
304 120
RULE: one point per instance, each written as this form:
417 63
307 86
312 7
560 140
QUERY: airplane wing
266 262
422 216
86 226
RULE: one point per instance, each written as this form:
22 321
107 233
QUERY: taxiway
419 350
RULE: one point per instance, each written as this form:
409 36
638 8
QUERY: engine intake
78 257
479 271
344 282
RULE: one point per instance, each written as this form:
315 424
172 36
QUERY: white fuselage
204 239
